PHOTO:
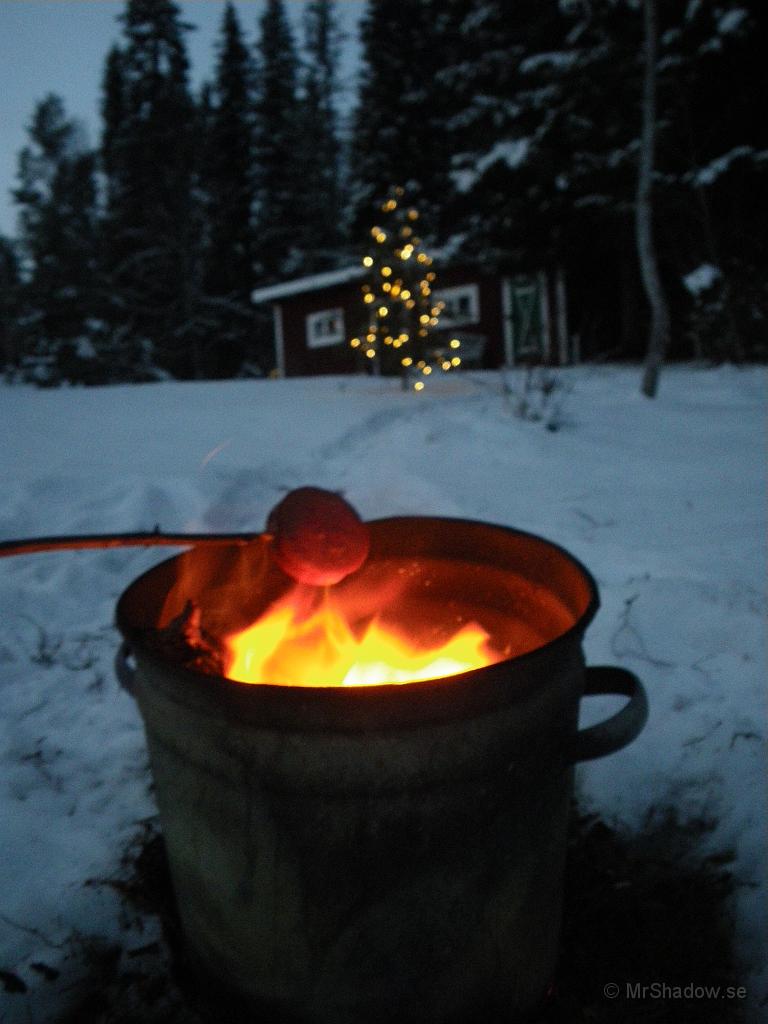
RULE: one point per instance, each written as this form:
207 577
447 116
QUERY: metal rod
32 545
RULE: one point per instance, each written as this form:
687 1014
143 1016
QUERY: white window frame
452 296
318 328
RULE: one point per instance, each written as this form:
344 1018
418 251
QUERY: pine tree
277 154
10 306
58 211
228 178
400 318
713 198
227 183
324 230
546 122
399 133
152 227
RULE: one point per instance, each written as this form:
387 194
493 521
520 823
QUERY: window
462 305
325 328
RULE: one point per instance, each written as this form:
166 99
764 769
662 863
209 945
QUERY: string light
401 307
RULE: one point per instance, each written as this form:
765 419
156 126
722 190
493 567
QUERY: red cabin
500 319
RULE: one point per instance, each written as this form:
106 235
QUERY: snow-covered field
664 501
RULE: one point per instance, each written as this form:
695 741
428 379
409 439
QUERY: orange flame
322 649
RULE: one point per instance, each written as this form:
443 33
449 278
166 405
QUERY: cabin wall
300 359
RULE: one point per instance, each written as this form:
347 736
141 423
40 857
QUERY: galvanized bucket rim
372 707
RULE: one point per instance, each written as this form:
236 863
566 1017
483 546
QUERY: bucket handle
620 729
124 669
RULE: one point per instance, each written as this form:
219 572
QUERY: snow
707 175
731 21
512 152
703 277
663 500
312 283
553 59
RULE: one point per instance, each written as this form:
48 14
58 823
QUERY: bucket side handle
125 669
620 729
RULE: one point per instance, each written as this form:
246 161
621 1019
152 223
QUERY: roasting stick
32 545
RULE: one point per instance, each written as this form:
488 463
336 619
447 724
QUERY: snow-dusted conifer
279 211
322 192
56 196
399 132
152 228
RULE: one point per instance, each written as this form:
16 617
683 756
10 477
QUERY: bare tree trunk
658 336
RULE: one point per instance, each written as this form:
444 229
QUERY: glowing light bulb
382 311
407 361
413 215
423 319
355 343
370 353
427 370
369 297
367 261
405 294
419 385
454 343
381 237
455 361
386 271
446 364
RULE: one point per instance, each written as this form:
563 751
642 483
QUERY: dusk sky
60 46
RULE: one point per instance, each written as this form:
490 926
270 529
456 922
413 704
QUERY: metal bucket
379 853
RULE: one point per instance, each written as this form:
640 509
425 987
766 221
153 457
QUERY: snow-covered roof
315 282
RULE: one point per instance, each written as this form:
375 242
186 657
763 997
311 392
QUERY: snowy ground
663 501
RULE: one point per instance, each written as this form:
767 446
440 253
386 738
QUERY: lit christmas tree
401 313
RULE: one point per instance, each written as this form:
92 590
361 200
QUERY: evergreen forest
515 127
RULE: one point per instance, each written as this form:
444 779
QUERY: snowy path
664 502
